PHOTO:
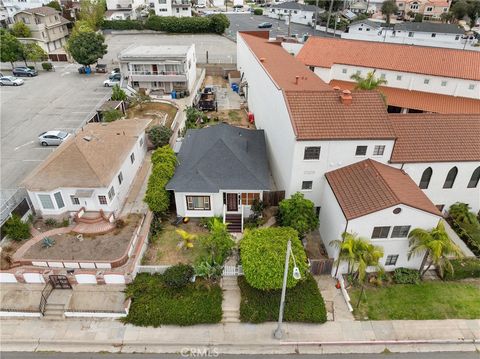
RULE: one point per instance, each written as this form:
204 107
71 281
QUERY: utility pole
316 19
289 22
329 15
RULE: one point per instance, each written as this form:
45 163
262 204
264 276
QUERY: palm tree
370 82
389 7
461 213
435 246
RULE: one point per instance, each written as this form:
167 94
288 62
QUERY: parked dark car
24 71
264 25
102 68
115 77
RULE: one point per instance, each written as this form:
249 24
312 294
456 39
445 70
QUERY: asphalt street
60 100
244 22
202 354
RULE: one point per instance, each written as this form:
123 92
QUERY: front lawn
155 111
154 303
303 303
427 300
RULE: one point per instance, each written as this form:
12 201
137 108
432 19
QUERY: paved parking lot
220 49
60 100
243 22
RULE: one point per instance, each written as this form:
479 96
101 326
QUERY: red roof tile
435 138
369 186
324 52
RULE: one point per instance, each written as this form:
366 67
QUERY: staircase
231 300
234 222
57 303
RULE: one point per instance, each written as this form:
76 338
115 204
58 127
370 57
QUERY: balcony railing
156 73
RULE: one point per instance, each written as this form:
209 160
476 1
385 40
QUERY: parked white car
10 81
111 82
53 138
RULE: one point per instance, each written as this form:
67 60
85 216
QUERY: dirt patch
314 248
67 246
155 111
7 252
215 81
165 249
237 118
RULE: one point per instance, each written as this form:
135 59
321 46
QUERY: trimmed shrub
463 268
258 12
178 276
155 304
159 135
263 257
122 25
298 213
304 303
47 66
16 229
406 276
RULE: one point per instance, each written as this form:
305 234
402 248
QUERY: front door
154 69
232 202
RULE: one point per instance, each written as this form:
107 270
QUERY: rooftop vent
337 88
296 79
262 59
87 138
346 97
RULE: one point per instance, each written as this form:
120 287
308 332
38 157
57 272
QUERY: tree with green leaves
11 49
473 11
447 17
159 135
19 29
118 94
369 82
263 253
92 13
461 212
87 47
299 213
55 5
139 99
34 52
389 7
112 115
459 9
218 243
219 23
436 248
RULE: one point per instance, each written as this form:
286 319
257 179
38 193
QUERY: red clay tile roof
315 108
424 101
324 52
435 138
322 115
369 186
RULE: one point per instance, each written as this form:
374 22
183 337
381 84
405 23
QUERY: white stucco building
92 170
133 9
418 78
159 68
12 7
294 12
412 33
312 129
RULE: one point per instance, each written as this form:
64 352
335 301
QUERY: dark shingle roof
430 27
371 23
221 157
292 5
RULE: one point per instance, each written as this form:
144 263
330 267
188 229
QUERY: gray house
222 169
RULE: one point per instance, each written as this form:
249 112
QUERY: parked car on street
53 138
115 76
116 70
10 81
24 71
264 25
111 82
101 68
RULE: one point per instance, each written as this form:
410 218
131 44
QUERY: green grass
155 304
427 300
303 303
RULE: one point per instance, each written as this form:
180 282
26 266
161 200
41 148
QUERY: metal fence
232 271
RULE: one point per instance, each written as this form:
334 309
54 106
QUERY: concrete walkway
337 309
134 202
332 337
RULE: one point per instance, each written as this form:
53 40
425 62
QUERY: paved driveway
60 100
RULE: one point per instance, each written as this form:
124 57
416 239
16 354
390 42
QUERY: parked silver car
10 81
111 82
53 138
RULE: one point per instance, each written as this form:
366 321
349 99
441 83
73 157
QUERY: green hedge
154 303
217 23
258 12
464 268
406 276
304 303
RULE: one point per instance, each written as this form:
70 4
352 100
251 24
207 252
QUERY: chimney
296 79
346 97
262 59
337 88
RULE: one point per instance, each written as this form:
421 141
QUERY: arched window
474 179
425 180
450 180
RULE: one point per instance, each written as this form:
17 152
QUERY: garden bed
155 111
164 249
155 304
424 301
303 303
103 247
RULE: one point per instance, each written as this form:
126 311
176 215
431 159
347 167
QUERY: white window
399 77
111 193
201 203
391 260
132 157
46 201
410 34
162 2
361 151
141 141
102 199
307 185
457 37
358 72
380 232
471 87
311 153
426 81
444 83
400 231
59 199
120 178
429 8
383 76
378 150
75 200
434 34
344 71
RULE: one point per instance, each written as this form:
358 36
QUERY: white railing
241 211
156 73
346 297
224 212
152 269
232 271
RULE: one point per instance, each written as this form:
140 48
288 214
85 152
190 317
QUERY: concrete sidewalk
333 337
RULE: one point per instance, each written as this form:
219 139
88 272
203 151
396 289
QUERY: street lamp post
278 334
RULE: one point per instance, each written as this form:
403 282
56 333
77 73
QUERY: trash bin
174 94
88 70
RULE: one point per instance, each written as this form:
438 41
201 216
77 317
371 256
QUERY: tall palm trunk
422 266
329 15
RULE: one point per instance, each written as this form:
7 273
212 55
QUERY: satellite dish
296 273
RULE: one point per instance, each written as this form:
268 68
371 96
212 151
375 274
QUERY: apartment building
48 27
126 9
